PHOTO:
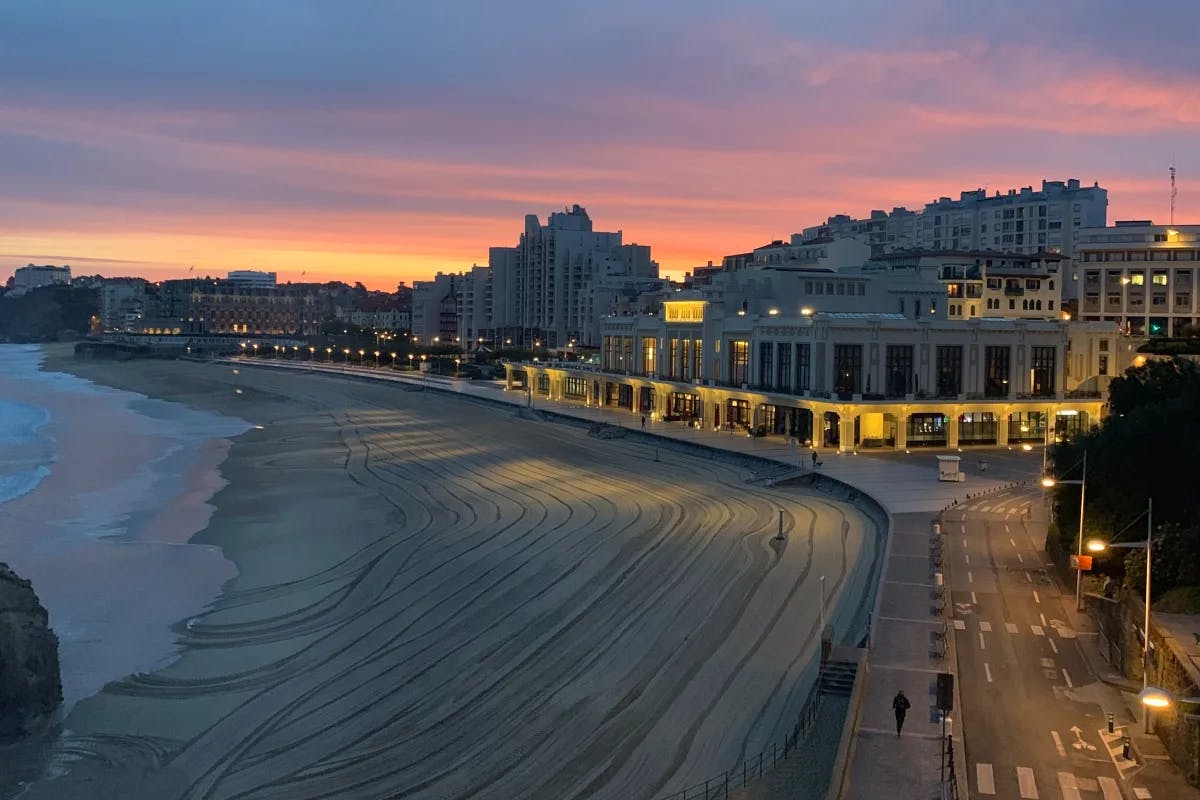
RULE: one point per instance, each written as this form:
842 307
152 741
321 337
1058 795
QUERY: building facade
215 306
835 380
34 276
1141 276
558 281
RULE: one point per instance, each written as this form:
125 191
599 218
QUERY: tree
1148 447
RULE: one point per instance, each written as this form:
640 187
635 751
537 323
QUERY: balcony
1014 291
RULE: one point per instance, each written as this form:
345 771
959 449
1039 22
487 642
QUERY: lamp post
361 353
1049 482
393 360
1098 546
312 353
328 354
377 358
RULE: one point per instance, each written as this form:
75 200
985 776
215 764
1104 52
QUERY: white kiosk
948 468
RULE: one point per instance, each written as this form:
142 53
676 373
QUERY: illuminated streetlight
1048 482
361 353
312 352
393 360
329 354
1149 699
377 358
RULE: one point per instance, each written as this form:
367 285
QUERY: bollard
1110 722
1125 748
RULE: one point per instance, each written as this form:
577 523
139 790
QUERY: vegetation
1175 346
46 314
1148 447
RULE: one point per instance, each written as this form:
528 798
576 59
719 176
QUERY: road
1031 712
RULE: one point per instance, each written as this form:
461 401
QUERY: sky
387 140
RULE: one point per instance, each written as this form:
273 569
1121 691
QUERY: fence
719 786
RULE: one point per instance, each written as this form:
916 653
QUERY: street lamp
410 362
329 354
312 352
456 363
1050 482
1095 545
377 358
255 346
393 360
346 354
361 353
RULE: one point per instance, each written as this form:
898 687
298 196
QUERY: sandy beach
438 598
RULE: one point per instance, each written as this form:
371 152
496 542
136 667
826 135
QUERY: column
845 432
1002 429
902 431
952 428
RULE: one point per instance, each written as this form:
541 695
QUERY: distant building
561 277
883 232
33 276
122 304
252 278
989 283
435 308
1141 276
214 306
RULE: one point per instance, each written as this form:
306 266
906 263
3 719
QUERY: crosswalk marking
1037 630
985 626
1011 627
1070 789
960 625
1110 789
1058 745
1028 784
985 781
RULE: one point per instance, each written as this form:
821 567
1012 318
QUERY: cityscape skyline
218 137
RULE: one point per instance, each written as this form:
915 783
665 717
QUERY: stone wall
1120 624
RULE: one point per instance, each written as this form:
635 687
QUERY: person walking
900 705
814 459
643 422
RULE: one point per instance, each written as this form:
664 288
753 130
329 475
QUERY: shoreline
273 616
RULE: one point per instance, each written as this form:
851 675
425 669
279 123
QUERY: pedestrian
643 422
900 705
814 459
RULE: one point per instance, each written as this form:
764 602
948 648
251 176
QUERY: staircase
837 677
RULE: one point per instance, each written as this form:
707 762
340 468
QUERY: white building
989 283
1141 276
554 285
252 278
882 231
435 309
475 307
34 276
383 320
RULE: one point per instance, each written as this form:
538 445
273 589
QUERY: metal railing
751 769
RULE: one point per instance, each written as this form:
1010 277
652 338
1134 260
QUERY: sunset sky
385 141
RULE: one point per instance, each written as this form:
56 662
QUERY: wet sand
437 598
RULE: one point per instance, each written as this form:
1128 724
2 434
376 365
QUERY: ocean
100 492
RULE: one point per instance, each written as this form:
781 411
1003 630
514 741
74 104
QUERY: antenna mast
1174 192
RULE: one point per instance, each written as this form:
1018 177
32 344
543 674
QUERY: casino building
768 356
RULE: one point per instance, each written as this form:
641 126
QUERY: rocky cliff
30 685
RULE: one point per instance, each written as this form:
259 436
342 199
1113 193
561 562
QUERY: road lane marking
985 781
1007 531
1036 599
967 558
970 578
1020 559
1110 789
985 508
964 541
988 671
1043 618
1014 542
1058 745
1011 627
982 646
1067 678
1027 783
1070 789
1028 577
973 600
984 625
1053 646
1037 630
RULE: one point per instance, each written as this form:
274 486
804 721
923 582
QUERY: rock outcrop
30 683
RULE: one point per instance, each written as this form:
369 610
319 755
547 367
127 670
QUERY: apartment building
1141 276
561 278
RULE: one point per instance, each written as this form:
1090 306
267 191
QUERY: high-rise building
561 277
